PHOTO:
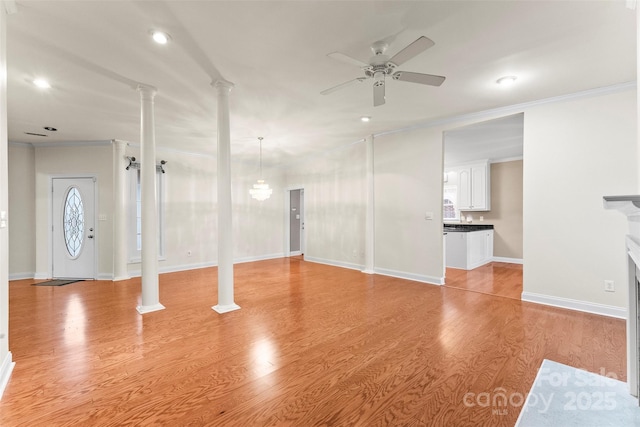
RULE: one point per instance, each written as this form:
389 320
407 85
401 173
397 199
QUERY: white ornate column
6 362
369 234
225 232
150 285
119 211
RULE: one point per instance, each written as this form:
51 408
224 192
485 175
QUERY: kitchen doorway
495 148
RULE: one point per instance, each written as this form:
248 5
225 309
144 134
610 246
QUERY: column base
142 309
368 271
120 278
225 308
5 371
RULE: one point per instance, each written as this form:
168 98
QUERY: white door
73 227
296 222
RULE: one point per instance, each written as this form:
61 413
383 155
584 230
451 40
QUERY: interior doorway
295 239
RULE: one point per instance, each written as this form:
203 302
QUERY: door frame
50 219
287 209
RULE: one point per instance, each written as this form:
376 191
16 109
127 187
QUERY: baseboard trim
334 263
5 372
258 258
196 266
508 260
104 276
410 276
577 305
21 276
40 276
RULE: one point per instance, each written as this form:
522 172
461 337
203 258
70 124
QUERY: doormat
56 282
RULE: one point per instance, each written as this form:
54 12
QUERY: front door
73 226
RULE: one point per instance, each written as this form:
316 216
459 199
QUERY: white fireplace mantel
630 207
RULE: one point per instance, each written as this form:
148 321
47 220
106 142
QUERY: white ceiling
95 52
497 139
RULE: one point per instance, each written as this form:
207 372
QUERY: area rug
56 282
566 396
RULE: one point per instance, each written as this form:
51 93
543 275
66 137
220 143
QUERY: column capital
146 91
220 84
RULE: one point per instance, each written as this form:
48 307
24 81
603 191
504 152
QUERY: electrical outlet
609 286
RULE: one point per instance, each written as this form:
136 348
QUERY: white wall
408 171
334 205
408 183
22 197
258 228
190 215
63 161
576 152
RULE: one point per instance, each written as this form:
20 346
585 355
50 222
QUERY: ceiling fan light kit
380 66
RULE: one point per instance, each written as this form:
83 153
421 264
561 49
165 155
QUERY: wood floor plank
312 345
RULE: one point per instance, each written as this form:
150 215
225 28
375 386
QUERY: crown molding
517 108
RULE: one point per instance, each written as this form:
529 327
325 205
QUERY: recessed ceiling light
365 119
41 83
506 80
50 129
160 37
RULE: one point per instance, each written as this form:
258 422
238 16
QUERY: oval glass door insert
73 222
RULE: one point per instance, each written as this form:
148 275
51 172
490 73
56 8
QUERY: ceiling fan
380 66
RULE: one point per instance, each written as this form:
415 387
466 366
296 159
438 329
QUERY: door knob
90 236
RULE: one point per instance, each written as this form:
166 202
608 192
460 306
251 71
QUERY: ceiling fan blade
423 79
347 59
378 94
342 85
420 45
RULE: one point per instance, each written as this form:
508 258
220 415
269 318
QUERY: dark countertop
466 228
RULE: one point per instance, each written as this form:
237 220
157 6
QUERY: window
135 214
450 211
73 222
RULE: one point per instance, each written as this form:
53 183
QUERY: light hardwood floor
496 278
312 345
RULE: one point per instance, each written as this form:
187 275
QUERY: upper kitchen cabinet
473 186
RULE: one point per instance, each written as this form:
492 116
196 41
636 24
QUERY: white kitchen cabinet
468 250
474 186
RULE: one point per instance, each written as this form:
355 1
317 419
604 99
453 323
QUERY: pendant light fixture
261 190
